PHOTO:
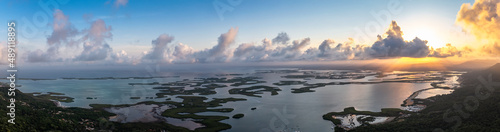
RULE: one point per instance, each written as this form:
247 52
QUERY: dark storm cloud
395 46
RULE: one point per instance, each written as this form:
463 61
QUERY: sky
130 32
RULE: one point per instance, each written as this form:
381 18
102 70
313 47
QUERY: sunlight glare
434 39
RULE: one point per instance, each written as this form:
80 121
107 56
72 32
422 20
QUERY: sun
433 37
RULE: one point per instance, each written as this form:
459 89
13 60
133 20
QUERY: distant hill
495 69
478 64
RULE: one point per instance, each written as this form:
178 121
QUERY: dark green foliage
38 113
238 116
251 91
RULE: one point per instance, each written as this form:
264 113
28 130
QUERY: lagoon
364 90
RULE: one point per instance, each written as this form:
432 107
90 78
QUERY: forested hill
475 106
33 113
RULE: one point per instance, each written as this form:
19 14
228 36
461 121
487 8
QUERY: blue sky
196 22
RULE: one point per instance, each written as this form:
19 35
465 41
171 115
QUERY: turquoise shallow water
287 110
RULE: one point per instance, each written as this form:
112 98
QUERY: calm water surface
291 111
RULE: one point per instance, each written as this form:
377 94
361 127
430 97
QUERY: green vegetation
196 104
153 83
38 113
113 78
53 96
365 120
282 83
299 76
308 87
190 105
251 91
238 116
203 86
351 110
180 91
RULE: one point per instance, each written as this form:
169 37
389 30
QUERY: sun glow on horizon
408 63
409 60
435 40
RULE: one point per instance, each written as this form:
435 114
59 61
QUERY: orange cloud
483 21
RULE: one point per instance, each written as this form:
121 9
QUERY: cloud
121 57
93 52
63 33
449 51
282 38
95 47
41 56
290 51
225 40
218 53
159 48
251 52
183 54
328 50
395 46
324 48
483 21
391 46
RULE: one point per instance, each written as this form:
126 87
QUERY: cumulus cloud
95 47
93 41
121 57
392 45
225 40
282 38
328 50
63 33
449 51
325 47
290 52
395 46
183 54
218 53
159 48
252 52
483 21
